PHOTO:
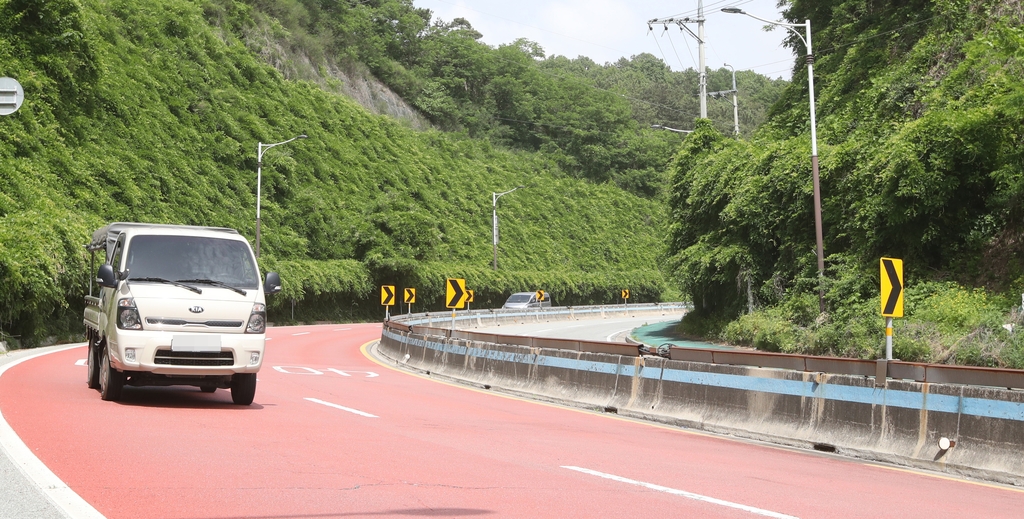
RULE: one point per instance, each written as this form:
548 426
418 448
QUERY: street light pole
260 150
791 27
494 220
735 110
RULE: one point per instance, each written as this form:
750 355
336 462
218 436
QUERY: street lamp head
657 126
733 10
520 187
303 136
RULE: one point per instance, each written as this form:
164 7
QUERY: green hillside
919 134
143 111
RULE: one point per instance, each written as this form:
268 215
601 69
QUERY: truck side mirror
273 283
105 277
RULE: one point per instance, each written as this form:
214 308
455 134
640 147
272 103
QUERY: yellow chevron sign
892 287
410 296
455 293
387 295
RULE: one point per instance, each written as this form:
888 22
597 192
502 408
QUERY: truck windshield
190 258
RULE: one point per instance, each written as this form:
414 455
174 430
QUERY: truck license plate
195 343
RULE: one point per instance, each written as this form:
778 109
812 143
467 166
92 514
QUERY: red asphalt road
433 450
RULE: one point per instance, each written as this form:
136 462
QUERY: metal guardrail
424 324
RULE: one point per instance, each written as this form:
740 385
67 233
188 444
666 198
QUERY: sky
606 30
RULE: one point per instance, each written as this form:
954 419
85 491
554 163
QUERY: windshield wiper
169 282
215 283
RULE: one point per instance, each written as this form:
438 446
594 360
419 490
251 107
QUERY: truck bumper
159 353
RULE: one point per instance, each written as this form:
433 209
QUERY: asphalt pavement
20 497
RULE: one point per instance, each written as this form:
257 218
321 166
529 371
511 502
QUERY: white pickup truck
177 305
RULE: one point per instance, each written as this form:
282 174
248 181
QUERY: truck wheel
243 388
93 363
111 380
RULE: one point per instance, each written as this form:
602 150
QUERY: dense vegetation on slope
920 125
142 111
593 120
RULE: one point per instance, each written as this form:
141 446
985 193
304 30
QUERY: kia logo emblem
196 309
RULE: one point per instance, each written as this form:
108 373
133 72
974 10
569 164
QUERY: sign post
387 298
892 297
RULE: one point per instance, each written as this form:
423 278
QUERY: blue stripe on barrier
981 407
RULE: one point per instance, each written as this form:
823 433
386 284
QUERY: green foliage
919 126
592 120
161 123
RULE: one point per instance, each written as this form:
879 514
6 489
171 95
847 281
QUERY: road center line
300 333
682 493
342 329
343 408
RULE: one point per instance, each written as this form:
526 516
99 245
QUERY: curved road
611 330
333 433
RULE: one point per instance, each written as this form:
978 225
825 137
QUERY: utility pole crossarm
681 23
699 36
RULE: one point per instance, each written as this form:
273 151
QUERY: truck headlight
257 319
128 315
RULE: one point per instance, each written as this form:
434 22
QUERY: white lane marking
609 338
683 493
308 371
48 483
300 333
343 408
80 362
268 338
369 374
342 329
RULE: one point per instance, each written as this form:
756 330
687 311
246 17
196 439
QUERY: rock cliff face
355 82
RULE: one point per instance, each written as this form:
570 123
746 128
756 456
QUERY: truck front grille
183 322
194 358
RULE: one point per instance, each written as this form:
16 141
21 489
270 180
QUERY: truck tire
243 388
111 380
93 362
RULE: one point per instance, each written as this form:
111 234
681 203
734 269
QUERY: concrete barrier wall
900 421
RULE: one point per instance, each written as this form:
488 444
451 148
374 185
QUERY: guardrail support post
881 372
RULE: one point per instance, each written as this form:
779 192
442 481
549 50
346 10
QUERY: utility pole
735 106
699 36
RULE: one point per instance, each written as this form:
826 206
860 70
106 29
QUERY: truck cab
176 305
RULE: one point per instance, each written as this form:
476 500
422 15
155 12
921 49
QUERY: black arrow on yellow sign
410 296
387 295
455 293
892 287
